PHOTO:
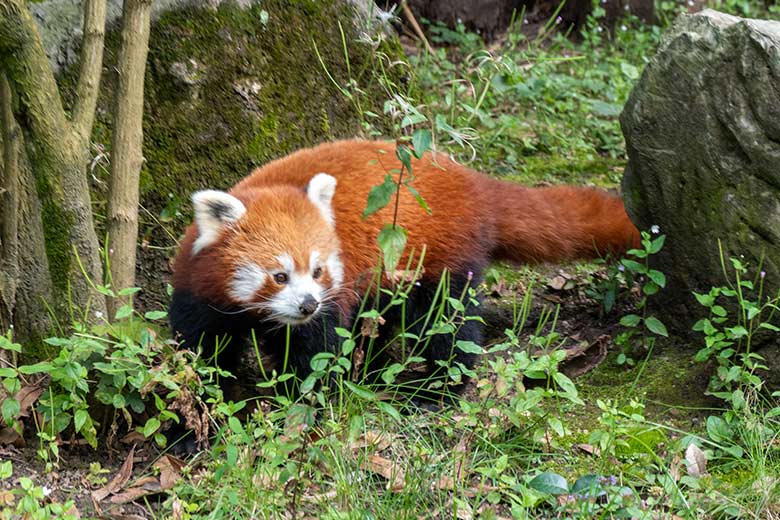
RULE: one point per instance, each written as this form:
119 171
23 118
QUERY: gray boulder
702 131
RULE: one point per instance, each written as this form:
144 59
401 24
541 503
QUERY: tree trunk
126 145
9 207
58 151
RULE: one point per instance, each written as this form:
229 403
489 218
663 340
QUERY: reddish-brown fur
474 218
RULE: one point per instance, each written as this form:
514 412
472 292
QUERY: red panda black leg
199 324
440 350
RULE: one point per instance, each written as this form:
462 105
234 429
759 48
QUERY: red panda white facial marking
299 299
247 280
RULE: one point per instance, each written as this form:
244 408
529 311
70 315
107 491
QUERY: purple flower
762 274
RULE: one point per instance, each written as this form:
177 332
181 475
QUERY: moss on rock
228 89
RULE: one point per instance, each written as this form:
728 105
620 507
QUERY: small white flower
111 250
654 229
599 28
99 315
46 491
623 28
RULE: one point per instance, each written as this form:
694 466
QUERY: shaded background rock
229 86
702 131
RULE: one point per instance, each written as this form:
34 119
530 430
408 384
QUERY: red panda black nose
308 305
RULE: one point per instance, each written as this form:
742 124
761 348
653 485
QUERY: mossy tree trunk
9 197
126 145
57 148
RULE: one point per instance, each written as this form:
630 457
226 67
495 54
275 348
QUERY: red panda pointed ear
214 210
320 191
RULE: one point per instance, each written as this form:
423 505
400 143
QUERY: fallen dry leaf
27 397
675 467
143 487
170 470
370 439
588 448
10 436
134 437
695 461
557 282
384 467
119 480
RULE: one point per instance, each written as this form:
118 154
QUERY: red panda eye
317 272
280 278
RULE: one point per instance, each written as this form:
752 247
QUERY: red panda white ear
320 191
214 210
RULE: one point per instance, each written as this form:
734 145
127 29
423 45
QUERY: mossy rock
228 89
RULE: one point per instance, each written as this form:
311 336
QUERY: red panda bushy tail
559 223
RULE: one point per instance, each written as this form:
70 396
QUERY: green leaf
119 401
392 241
342 332
80 419
127 291
43 366
633 266
658 277
389 374
706 300
421 141
655 326
390 410
10 410
380 196
565 383
155 315
630 320
404 155
657 244
418 198
587 484
123 312
603 108
629 71
7 372
469 347
151 426
549 483
7 344
360 391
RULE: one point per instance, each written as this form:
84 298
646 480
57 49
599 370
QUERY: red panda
288 245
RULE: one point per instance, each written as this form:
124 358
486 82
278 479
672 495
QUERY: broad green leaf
10 409
123 312
469 347
630 320
658 277
155 315
404 155
549 483
655 326
380 196
151 426
421 141
80 418
657 244
392 241
629 71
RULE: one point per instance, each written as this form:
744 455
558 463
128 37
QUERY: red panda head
272 251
